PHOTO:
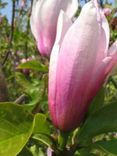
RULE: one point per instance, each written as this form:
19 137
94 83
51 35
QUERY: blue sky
8 9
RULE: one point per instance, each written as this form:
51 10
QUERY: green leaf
85 152
45 139
42 130
34 89
102 121
25 152
109 147
37 151
16 127
33 65
21 79
41 124
97 102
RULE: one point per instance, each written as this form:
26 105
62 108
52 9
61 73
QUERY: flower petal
104 35
35 9
71 8
105 26
99 76
44 21
112 52
76 61
97 80
63 25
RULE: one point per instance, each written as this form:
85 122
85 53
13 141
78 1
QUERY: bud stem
62 139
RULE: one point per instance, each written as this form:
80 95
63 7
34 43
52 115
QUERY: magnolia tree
58 78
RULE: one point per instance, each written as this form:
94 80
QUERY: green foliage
34 65
97 102
25 152
109 147
16 126
41 124
102 121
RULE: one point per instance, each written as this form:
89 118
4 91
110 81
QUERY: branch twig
20 99
12 22
6 57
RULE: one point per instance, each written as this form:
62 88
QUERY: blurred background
24 73
17 46
6 10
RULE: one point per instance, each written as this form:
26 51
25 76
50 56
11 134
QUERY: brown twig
12 23
31 4
5 58
20 99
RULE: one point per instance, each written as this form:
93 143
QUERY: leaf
33 65
37 151
102 121
16 127
85 152
41 124
21 79
25 152
97 102
45 139
109 147
37 94
42 130
34 89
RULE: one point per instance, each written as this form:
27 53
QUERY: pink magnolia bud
44 21
107 11
79 64
49 151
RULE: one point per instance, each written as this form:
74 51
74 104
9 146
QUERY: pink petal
97 80
77 58
63 25
44 21
104 36
71 8
34 16
112 52
107 11
102 71
98 75
106 28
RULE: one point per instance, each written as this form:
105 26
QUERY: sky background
8 9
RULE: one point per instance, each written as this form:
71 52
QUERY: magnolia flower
44 21
107 11
79 64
